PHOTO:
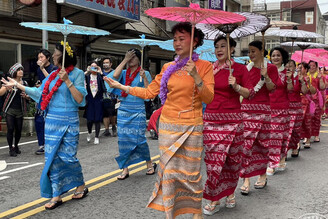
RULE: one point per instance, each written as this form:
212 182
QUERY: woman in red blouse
279 103
257 118
223 129
295 86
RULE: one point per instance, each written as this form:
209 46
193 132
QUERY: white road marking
4 177
35 141
20 168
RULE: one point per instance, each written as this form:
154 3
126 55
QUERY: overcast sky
323 4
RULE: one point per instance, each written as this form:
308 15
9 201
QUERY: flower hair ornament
67 48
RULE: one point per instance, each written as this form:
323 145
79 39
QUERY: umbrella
206 51
3 164
194 14
300 56
319 52
142 42
305 45
293 34
283 23
254 23
66 28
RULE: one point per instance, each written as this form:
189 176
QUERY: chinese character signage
216 4
126 9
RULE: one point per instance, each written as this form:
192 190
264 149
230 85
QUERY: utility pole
45 20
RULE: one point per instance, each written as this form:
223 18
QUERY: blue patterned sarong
131 130
62 170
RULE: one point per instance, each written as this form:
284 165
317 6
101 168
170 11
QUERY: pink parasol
301 56
194 14
319 52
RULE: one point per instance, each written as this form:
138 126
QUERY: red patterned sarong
257 127
316 119
296 119
306 123
279 136
223 141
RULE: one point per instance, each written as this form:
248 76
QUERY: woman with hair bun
257 118
183 85
223 128
63 92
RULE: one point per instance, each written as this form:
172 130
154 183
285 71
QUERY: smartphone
93 69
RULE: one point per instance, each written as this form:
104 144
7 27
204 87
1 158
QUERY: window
309 17
274 17
8 54
286 15
270 44
29 59
296 17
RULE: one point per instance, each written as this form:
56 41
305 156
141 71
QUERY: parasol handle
64 51
192 40
263 44
302 55
292 47
229 55
141 64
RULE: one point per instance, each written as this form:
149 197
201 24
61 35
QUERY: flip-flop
84 193
244 190
56 204
123 176
258 185
152 168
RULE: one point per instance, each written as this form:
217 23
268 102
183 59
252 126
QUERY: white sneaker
96 141
89 138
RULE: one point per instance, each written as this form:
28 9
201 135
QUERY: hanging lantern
31 3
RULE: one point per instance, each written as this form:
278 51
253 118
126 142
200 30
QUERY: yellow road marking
324 131
69 197
38 201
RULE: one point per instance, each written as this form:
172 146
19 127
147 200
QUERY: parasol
66 28
293 34
305 45
142 42
300 56
254 23
194 14
283 23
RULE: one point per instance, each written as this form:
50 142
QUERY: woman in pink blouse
223 129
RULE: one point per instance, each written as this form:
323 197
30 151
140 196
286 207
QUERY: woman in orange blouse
183 85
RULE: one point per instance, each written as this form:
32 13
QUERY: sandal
307 146
123 176
282 167
316 141
210 209
297 151
270 171
56 204
230 202
151 170
244 190
259 184
84 193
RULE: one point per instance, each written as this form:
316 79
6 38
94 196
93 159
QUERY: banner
126 9
217 4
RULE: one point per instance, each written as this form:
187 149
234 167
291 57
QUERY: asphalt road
301 189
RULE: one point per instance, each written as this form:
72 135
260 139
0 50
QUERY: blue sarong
131 132
62 170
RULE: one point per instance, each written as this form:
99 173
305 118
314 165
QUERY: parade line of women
254 115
